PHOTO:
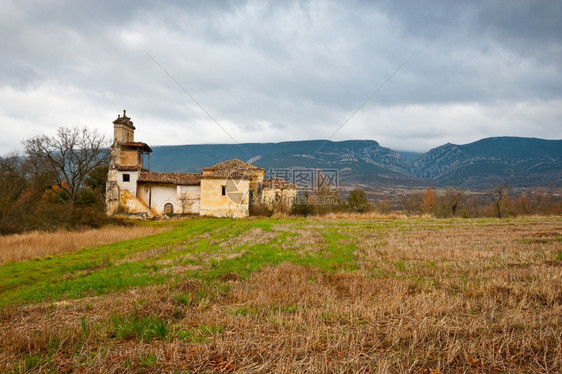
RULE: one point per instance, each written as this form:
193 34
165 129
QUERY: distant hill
521 162
357 161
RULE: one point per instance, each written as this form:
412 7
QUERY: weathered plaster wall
233 204
161 195
129 158
123 133
282 203
189 198
131 185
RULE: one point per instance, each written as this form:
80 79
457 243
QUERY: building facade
228 189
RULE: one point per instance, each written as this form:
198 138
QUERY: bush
303 206
260 210
357 201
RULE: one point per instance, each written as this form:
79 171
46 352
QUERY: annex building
228 189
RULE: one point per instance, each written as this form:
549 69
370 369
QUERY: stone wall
280 200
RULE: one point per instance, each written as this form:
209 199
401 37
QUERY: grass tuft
137 327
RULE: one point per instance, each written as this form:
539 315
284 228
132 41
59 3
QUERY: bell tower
126 163
123 129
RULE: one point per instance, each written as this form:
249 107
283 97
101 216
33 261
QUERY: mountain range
519 162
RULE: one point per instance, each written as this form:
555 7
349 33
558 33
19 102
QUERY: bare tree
411 203
187 201
450 202
501 198
70 155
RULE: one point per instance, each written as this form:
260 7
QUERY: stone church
228 189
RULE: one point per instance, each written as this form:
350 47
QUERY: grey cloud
537 21
305 65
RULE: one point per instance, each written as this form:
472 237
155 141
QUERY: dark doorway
168 208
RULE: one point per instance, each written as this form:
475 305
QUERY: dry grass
367 215
428 298
37 244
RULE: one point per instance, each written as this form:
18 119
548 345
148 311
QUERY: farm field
350 294
31 245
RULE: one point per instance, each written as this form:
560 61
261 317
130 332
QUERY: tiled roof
275 183
129 168
186 179
231 169
137 145
234 164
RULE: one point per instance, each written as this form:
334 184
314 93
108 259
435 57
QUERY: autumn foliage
500 202
58 183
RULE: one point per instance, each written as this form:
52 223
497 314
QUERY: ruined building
227 189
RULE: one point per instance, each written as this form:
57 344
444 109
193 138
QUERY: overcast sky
445 71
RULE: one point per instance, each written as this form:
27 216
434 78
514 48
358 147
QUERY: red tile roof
185 179
233 164
231 169
275 183
137 145
129 168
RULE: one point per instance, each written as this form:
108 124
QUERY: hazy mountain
521 162
357 161
479 165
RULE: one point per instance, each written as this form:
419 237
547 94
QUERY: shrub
357 201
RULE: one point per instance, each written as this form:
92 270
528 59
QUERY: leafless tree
501 198
450 202
70 155
411 203
187 201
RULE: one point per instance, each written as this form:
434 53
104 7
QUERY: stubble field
351 294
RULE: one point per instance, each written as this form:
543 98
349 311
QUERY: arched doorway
168 208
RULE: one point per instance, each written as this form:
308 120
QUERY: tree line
58 182
501 201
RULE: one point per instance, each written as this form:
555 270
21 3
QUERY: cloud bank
278 71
